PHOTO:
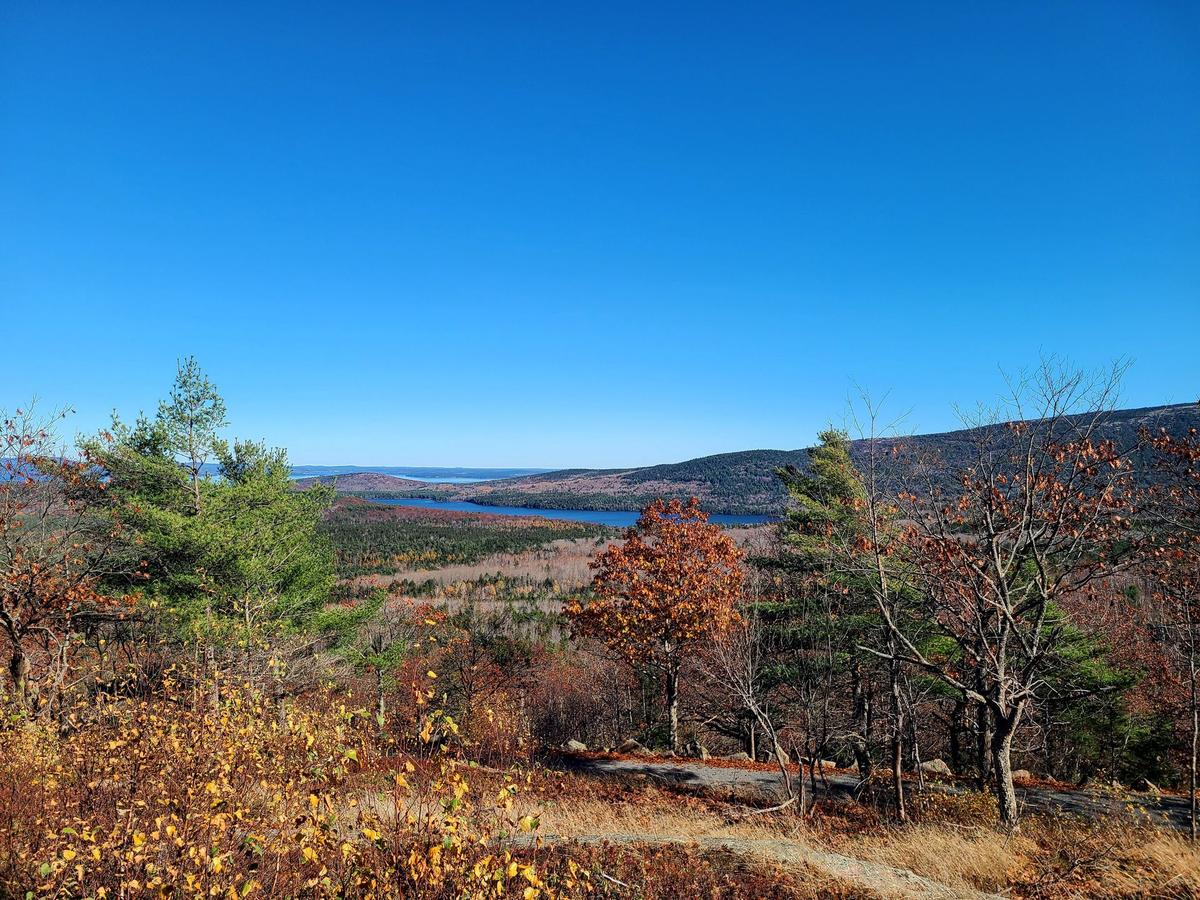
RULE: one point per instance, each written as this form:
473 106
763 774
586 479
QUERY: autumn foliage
54 552
162 797
672 584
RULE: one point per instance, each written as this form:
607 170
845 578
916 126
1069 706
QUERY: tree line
1035 605
1033 608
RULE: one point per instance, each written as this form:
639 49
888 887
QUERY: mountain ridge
739 482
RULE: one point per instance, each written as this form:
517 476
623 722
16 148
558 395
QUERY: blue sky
591 234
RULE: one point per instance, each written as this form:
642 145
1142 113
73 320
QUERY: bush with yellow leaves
163 797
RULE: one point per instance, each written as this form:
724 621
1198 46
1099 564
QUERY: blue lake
615 518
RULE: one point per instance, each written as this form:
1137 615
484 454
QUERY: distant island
739 483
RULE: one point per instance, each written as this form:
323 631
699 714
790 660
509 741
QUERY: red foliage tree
671 585
54 551
1042 516
1175 570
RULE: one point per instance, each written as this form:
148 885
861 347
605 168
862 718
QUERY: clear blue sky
591 234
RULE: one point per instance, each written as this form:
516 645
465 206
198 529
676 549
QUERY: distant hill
417 473
375 482
738 483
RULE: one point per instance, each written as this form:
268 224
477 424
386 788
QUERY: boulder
574 746
935 767
1022 775
695 749
740 756
631 746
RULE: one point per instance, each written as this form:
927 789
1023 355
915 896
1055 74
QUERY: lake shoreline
611 518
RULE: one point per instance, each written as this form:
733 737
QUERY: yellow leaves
527 823
504 798
432 674
280 812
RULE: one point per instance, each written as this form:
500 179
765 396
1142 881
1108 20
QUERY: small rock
935 767
574 746
740 756
1022 775
631 746
1146 786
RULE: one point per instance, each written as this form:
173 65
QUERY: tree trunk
673 706
1048 740
1195 730
956 729
983 745
18 668
1006 795
897 735
862 719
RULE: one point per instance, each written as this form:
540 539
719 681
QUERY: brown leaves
674 581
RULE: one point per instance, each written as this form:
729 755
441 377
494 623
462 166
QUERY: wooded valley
938 674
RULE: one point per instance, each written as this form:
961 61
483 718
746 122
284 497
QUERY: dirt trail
1170 811
883 880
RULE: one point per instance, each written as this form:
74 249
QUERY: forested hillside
737 483
219 685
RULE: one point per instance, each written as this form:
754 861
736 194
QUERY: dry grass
954 844
1152 863
651 814
563 561
971 858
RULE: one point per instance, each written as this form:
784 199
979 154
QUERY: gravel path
886 881
1171 811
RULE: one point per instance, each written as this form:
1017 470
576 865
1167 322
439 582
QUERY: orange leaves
674 581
